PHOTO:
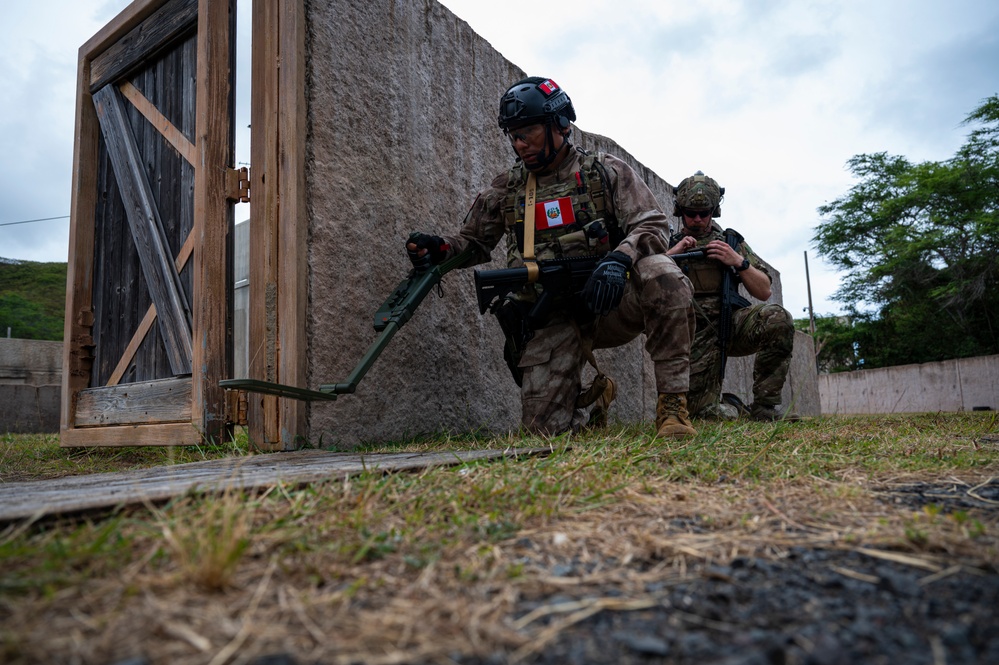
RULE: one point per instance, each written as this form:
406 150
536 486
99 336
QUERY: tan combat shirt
627 198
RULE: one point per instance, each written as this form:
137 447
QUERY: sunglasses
694 214
526 134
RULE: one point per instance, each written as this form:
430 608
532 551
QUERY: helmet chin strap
548 154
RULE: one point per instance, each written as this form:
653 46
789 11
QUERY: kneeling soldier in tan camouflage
722 261
591 207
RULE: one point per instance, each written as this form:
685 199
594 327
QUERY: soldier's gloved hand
605 287
434 246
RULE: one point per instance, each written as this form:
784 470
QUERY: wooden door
149 293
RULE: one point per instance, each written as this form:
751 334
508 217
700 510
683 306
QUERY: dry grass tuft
207 535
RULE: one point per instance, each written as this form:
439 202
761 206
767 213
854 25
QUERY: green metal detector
397 309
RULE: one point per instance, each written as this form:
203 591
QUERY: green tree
919 244
835 343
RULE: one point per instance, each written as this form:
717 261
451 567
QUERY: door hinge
236 407
238 184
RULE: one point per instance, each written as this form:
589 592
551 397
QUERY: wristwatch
744 266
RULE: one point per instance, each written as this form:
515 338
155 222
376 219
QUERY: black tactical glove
435 246
605 287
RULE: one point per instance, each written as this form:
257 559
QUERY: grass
433 561
39 457
32 299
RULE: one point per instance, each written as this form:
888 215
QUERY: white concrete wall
950 385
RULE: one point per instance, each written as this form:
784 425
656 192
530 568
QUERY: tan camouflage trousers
766 330
657 302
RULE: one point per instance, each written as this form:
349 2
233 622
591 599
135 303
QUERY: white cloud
38 65
770 97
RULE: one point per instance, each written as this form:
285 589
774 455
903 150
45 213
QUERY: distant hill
32 299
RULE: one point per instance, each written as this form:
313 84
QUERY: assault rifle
731 301
397 309
558 278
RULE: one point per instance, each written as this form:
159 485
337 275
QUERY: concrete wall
950 385
30 361
30 374
241 301
402 135
28 409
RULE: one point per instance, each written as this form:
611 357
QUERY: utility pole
808 285
811 313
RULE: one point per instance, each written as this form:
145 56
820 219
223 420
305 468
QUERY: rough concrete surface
402 135
33 362
29 409
964 384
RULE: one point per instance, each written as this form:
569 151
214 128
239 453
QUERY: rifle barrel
693 254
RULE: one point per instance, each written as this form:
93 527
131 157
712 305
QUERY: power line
31 221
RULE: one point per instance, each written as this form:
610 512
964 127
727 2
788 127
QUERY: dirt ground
799 605
675 574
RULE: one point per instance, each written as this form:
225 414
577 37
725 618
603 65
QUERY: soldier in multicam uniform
764 329
586 205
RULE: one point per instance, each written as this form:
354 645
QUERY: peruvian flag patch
549 214
549 87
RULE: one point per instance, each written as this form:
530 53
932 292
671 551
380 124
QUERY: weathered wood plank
279 224
27 500
213 214
173 312
293 218
262 415
173 135
129 17
148 320
77 337
120 436
163 401
143 42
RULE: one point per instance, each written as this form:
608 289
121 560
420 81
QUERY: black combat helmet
532 101
535 100
699 192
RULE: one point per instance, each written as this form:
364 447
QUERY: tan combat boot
598 416
672 419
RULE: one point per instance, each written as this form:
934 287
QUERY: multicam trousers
656 302
766 330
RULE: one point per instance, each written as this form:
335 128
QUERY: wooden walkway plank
35 499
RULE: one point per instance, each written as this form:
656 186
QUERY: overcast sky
771 98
